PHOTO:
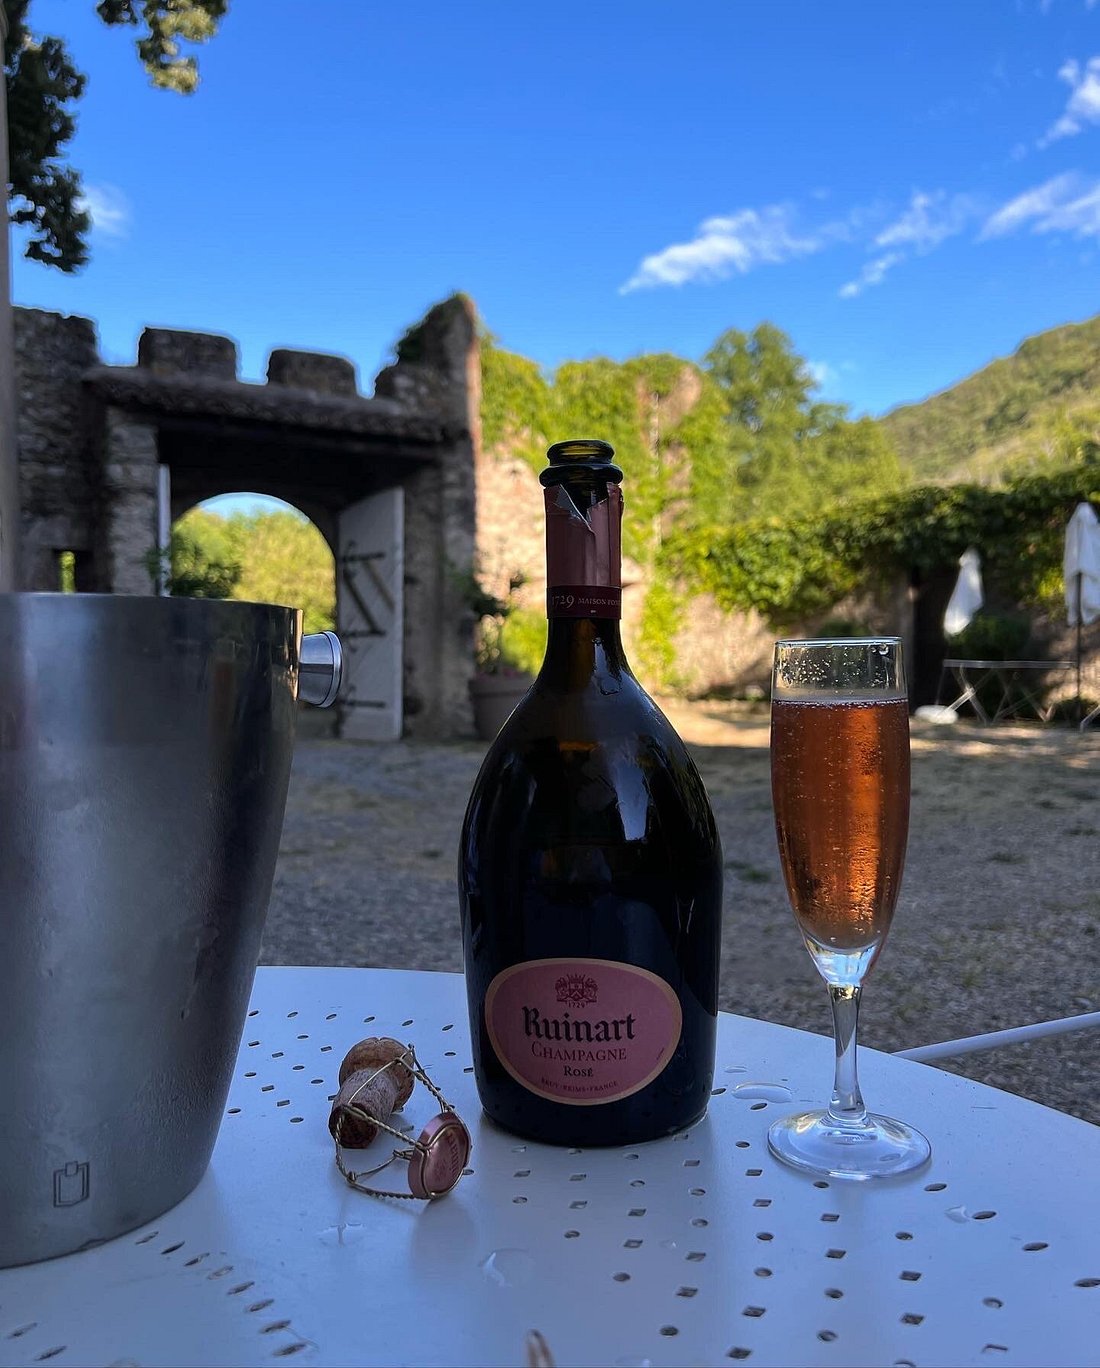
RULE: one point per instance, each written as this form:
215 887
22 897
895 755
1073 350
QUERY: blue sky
908 190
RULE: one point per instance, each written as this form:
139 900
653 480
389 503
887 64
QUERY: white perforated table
699 1249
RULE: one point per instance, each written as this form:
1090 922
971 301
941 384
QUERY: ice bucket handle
320 667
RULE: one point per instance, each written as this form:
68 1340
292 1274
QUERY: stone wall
60 494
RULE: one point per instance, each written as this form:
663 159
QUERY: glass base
816 1143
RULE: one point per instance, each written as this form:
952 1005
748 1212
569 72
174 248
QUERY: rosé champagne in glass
840 789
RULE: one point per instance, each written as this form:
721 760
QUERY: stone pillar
129 524
438 372
9 459
60 501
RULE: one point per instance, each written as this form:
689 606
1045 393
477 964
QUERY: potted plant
501 679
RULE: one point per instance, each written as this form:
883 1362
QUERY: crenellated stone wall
92 439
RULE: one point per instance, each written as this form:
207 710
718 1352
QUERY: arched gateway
110 455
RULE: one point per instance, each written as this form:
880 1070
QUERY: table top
697 1249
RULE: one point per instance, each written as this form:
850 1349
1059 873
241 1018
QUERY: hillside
1007 415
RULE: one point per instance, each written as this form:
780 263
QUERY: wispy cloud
733 244
931 218
1064 204
874 273
110 210
1083 105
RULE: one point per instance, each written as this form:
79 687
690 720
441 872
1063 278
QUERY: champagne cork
373 1084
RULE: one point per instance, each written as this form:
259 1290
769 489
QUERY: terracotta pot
494 696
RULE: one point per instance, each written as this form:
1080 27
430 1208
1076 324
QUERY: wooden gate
370 615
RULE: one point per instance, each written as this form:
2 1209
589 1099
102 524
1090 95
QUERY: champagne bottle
590 870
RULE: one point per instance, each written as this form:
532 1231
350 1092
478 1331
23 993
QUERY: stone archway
388 481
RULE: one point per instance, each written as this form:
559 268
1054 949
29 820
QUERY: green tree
42 86
285 559
786 451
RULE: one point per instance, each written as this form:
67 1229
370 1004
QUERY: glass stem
846 1106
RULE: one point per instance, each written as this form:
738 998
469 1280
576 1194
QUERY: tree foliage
45 194
792 569
277 557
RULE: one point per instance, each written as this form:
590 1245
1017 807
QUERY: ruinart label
582 1031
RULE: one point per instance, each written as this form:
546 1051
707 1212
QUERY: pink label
582 1031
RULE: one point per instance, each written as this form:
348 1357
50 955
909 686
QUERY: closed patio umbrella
1081 572
966 597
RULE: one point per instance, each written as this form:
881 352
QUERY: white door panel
370 615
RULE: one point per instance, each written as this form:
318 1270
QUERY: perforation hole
146 1238
994 1348
717 1092
637 1182
753 1173
577 1206
50 1353
1087 1282
911 1318
251 1073
826 1335
1035 1246
367 1020
762 1272
984 1215
331 1016
742 1144
994 1303
252 1044
739 1353
522 1173
621 1277
407 1023
268 1087
233 1111
758 1106
686 1291
241 1287
277 1054
291 1015
835 1253
262 1305
519 1201
934 1187
468 1069
632 1244
315 1081
834 1293
448 1054
288 1349
449 1026
820 1183
171 1249
23 1330
326 1049
284 1102
695 1256
572 1234
754 1312
700 1222
764 1235
303 1037
669 1330
691 1163
909 1276
254 1012
298 1068
220 1272
903 1235
193 1263
762 1202
273 1326
577 1177
636 1211
296 1120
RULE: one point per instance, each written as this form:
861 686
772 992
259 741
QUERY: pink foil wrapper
583 552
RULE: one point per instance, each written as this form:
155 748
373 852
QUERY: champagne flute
840 788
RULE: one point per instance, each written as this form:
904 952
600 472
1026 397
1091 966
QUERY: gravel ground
998 921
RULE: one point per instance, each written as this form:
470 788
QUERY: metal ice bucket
145 749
